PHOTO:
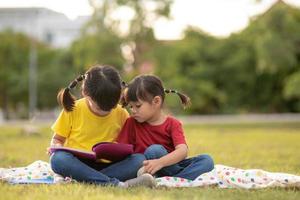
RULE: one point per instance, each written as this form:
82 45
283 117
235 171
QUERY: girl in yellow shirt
95 118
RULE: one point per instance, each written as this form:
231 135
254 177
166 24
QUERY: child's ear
156 100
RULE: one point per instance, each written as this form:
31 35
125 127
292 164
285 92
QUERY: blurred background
230 57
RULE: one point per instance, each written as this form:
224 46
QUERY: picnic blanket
229 177
37 172
221 176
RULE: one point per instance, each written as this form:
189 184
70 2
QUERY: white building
46 25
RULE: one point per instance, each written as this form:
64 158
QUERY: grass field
273 147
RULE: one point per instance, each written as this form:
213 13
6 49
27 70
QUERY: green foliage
276 34
97 48
292 90
185 62
256 70
140 27
245 72
53 71
292 87
14 50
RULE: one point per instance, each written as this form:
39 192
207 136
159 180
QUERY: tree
54 71
97 48
187 65
14 50
246 72
138 37
292 91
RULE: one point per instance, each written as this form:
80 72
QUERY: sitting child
158 136
95 118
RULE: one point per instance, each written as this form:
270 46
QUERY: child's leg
125 169
194 167
67 165
156 151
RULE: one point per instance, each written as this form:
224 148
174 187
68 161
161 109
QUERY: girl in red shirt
158 136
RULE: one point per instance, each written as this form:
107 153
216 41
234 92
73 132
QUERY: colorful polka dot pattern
222 177
229 177
37 172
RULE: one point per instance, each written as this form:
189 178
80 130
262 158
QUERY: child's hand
152 166
48 151
52 145
56 141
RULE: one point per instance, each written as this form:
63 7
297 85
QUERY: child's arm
180 153
56 141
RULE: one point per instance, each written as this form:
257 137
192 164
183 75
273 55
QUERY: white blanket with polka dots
222 177
228 177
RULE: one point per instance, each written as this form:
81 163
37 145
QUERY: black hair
146 87
101 83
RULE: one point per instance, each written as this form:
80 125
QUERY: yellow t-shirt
83 129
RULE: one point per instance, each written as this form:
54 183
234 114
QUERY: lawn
273 147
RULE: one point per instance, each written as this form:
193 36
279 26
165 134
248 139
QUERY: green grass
272 147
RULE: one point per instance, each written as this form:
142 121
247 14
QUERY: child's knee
138 158
207 161
57 160
155 151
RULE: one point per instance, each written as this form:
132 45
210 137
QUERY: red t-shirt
142 135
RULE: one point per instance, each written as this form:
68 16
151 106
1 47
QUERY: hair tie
170 91
71 85
124 84
80 78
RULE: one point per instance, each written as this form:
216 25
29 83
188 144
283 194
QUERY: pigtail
185 100
65 98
